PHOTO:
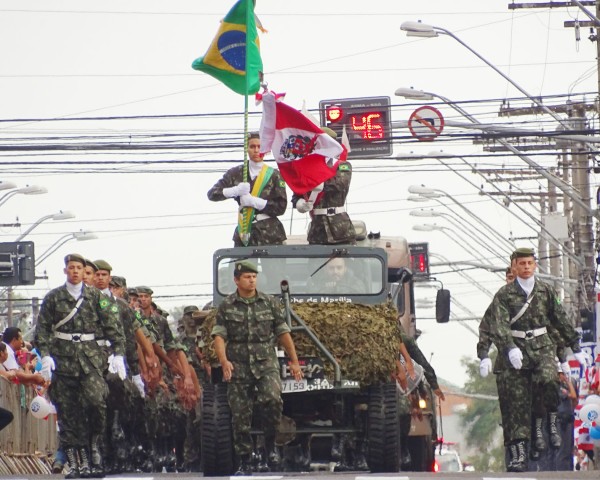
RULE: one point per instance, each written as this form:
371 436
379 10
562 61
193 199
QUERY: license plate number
292 386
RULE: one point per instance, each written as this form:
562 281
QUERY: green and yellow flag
227 58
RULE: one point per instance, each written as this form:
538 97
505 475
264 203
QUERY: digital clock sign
367 121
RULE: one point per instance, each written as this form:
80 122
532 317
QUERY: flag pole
245 235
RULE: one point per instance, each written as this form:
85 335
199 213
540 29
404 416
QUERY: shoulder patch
103 303
344 167
114 309
557 300
281 183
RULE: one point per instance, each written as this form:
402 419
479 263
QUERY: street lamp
80 236
55 216
7 185
418 29
27 190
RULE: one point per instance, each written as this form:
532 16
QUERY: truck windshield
312 276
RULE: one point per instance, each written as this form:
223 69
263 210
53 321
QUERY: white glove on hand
304 206
516 357
252 201
139 383
583 358
47 367
485 367
565 368
117 365
237 191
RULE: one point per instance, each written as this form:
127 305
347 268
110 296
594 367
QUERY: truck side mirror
442 306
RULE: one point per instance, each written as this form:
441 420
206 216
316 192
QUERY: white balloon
592 399
40 407
590 412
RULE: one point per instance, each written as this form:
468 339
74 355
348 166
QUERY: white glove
117 365
237 191
583 358
252 201
516 357
565 368
304 206
139 383
485 367
47 367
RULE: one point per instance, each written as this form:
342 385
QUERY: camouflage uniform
264 231
330 227
539 352
78 390
250 327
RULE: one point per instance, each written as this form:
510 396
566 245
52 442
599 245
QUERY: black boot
538 435
97 468
73 470
245 467
84 463
518 460
555 439
273 456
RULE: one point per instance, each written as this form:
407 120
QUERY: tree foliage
482 419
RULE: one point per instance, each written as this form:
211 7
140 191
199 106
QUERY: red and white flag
305 155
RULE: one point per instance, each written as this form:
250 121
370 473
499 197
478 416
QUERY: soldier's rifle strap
523 308
71 313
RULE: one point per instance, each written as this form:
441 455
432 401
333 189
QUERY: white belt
75 337
103 343
529 334
260 216
329 211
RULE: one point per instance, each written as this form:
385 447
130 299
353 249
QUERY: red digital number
368 125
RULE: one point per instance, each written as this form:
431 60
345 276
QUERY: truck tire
383 428
217 434
422 453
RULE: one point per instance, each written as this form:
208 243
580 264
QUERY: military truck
324 404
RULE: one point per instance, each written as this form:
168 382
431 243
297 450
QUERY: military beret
143 289
118 281
89 263
523 252
190 309
74 257
245 266
103 265
132 292
329 132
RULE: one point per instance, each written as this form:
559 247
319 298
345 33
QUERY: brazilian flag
227 58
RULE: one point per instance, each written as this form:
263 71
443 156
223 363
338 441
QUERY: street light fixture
66 215
27 190
7 185
80 236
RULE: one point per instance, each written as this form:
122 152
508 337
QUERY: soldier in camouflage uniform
66 338
264 191
526 351
330 224
247 327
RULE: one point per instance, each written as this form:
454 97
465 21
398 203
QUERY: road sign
426 123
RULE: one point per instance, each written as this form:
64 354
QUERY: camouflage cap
74 257
117 281
103 265
132 292
200 315
144 289
245 266
523 252
190 309
89 263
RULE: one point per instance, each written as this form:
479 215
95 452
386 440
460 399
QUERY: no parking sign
426 123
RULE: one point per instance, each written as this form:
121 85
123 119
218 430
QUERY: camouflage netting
363 338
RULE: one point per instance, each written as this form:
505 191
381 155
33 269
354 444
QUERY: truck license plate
292 386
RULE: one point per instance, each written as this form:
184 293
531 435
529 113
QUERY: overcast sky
71 59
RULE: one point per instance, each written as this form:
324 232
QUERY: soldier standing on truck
248 324
330 223
263 192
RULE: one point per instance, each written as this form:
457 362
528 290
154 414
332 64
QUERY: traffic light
419 259
367 121
17 263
